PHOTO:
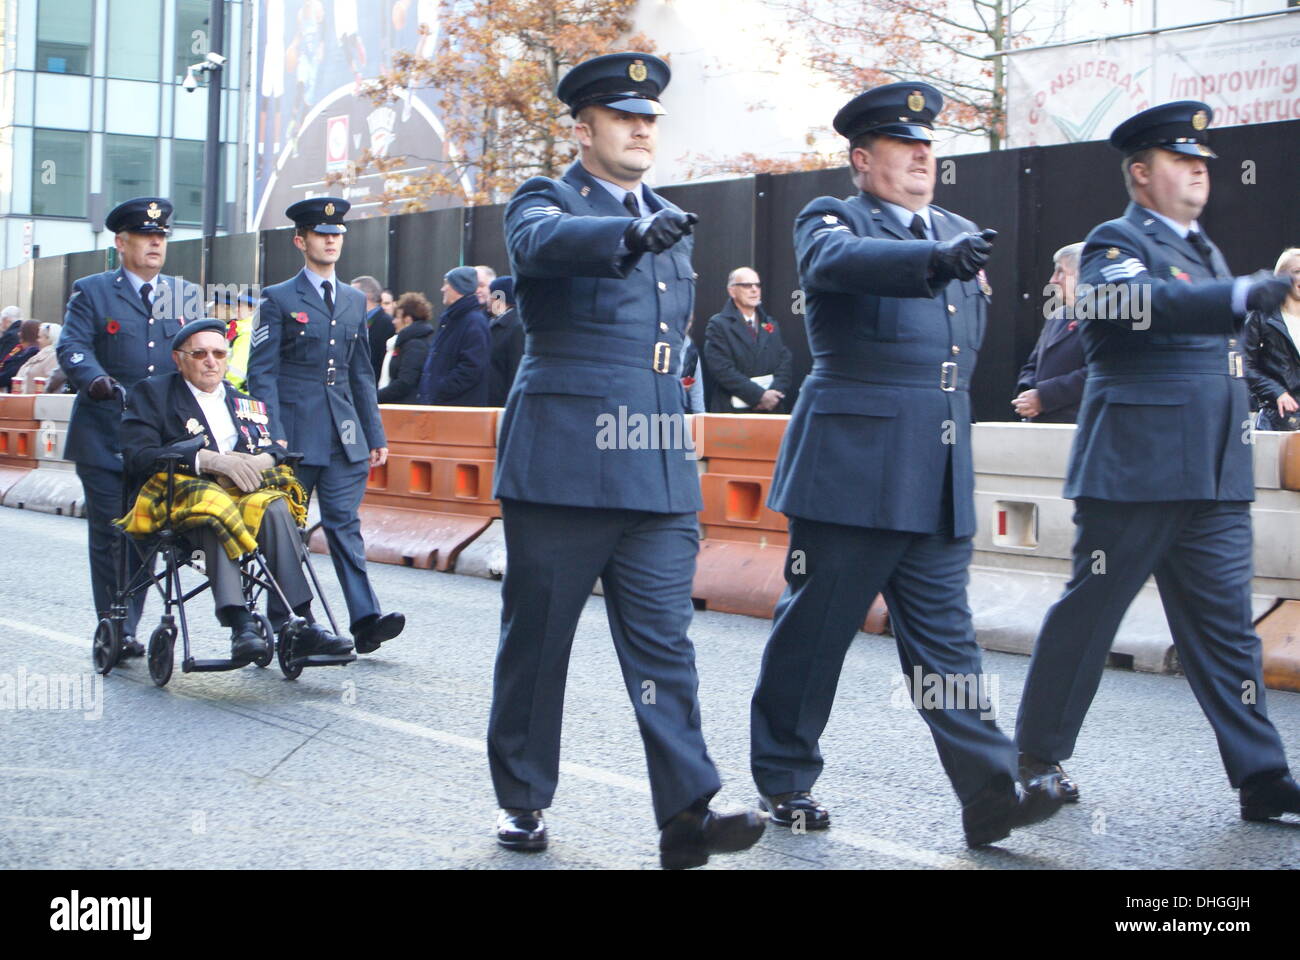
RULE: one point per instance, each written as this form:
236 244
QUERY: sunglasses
204 354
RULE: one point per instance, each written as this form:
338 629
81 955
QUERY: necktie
1202 247
327 293
629 201
918 227
145 290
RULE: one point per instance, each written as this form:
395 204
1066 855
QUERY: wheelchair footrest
212 666
323 660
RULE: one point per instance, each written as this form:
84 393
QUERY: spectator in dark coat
507 340
379 323
20 353
456 371
412 316
742 347
11 320
1272 355
1050 386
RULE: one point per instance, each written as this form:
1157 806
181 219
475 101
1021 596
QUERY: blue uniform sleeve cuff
1239 288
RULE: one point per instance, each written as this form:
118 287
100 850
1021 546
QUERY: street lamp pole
212 148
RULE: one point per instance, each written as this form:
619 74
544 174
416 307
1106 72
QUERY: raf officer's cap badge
637 71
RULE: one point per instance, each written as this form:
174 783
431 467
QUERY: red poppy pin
768 327
1071 325
112 326
232 331
300 317
688 382
1181 274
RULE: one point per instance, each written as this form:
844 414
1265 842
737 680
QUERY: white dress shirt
215 411
317 280
904 216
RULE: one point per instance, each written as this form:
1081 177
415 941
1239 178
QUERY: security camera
189 83
216 59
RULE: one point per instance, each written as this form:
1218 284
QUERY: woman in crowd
44 363
412 314
1273 354
22 351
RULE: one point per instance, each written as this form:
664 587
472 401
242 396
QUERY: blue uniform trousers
1200 553
103 489
833 572
340 487
646 563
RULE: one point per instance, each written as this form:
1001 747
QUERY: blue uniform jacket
106 331
1165 409
874 430
597 398
313 372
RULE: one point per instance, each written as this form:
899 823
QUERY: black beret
198 326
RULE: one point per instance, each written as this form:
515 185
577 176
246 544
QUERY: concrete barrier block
486 556
1052 534
48 491
1279 632
10 474
1269 450
1022 449
53 406
50 440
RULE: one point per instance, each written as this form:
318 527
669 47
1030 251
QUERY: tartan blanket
235 517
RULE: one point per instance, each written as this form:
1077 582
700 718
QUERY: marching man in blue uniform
605 287
1161 470
875 473
117 331
309 362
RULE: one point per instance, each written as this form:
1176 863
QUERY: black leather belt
946 375
1200 363
595 348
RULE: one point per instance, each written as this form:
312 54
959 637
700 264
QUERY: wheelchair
170 544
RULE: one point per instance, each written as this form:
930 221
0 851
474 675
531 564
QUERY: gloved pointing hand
1266 291
659 231
234 467
962 257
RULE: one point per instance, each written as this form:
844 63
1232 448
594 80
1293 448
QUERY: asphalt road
382 764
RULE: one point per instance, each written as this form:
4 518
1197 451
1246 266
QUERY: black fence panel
280 258
427 245
365 250
80 265
233 260
49 289
485 241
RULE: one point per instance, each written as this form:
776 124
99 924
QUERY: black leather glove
961 257
101 388
659 231
1266 292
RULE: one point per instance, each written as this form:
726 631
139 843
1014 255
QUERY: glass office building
93 112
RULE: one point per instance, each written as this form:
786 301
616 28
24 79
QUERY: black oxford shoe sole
809 822
527 846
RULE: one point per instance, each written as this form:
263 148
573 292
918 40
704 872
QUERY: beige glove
234 467
259 461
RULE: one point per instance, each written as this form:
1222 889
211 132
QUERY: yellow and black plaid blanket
235 517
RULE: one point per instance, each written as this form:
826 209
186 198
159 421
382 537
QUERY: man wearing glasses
743 352
117 331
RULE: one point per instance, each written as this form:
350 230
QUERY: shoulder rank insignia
985 287
1112 253
78 357
193 426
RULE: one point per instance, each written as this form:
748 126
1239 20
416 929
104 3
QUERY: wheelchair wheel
284 649
268 634
161 646
106 649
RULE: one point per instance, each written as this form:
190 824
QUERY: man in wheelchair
238 483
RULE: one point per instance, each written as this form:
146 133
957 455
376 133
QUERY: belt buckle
948 376
663 354
1235 366
329 376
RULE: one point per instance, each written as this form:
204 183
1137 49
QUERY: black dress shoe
796 809
246 644
1001 808
1031 768
131 647
373 630
688 838
521 829
1268 796
315 639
